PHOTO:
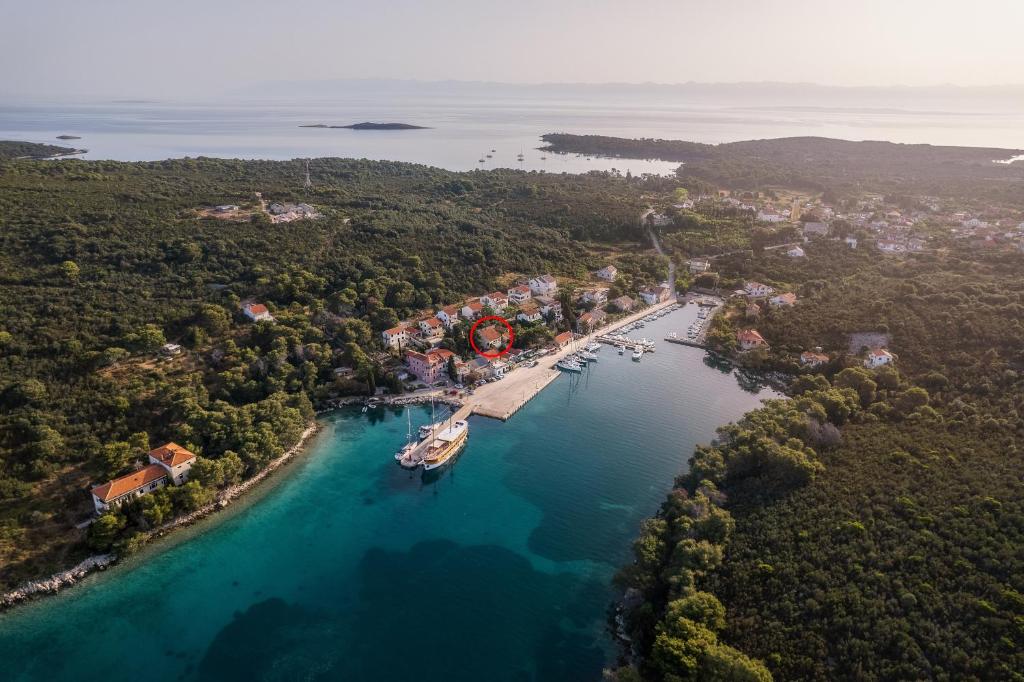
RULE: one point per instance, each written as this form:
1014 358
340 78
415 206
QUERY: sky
142 48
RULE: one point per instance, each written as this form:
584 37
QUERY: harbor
502 399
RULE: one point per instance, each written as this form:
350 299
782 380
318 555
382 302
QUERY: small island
68 137
366 125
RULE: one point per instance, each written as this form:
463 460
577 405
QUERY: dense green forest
872 527
103 262
10 149
868 528
818 164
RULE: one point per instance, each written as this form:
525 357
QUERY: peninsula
367 125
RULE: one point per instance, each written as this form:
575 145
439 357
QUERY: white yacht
569 365
622 349
593 346
637 354
588 356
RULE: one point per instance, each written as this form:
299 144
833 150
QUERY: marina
502 399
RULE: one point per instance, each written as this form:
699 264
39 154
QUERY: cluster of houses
531 301
168 465
286 212
750 339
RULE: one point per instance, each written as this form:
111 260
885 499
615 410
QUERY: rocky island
366 125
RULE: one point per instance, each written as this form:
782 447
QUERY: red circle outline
504 351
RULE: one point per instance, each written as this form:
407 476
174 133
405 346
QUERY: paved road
657 247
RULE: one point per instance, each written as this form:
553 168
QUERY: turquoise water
353 569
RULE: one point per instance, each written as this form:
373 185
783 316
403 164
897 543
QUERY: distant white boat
637 354
588 356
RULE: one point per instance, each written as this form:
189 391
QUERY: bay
351 568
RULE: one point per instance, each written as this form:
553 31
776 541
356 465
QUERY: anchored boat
446 444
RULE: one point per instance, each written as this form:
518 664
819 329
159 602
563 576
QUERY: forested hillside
101 263
825 165
872 528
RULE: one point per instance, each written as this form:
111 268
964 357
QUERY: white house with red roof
519 294
169 464
491 337
529 312
473 309
432 328
449 315
749 339
496 300
608 273
396 337
257 312
813 358
543 285
878 357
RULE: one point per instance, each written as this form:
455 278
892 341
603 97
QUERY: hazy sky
189 47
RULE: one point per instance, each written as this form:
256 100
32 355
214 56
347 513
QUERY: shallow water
353 569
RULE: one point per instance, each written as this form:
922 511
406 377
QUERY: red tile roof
257 308
171 454
122 486
749 336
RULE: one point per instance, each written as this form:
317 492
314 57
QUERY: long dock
502 399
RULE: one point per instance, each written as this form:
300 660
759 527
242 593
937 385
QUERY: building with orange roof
169 464
257 312
563 339
396 337
749 339
429 367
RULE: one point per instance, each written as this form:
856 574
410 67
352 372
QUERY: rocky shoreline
55 583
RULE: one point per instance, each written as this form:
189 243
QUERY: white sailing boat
410 444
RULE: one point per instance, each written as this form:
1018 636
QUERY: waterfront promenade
502 399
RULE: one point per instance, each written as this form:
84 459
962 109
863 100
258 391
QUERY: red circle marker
497 354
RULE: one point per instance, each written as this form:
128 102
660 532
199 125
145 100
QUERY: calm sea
465 124
353 569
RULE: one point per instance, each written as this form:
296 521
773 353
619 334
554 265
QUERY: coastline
34 589
502 405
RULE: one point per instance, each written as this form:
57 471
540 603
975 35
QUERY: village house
495 300
549 305
519 294
168 464
473 309
658 294
431 328
585 323
623 303
563 339
599 316
257 312
169 350
449 316
753 311
428 367
543 285
492 337
396 337
749 339
813 358
608 273
698 265
851 242
481 368
598 296
756 289
796 252
783 300
878 357
530 312
771 217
